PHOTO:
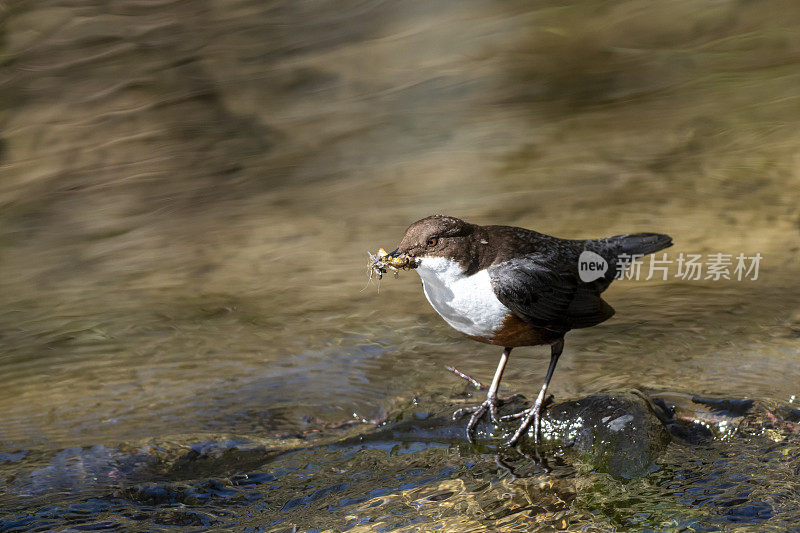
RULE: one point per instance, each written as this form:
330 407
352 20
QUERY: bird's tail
638 243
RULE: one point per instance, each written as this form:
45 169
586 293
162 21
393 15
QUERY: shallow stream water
189 191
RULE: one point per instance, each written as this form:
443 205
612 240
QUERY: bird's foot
514 416
524 412
532 415
490 405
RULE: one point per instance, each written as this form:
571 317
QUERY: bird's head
430 237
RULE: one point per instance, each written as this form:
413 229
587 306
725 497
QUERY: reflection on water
189 191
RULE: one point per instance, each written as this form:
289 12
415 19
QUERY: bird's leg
534 414
490 404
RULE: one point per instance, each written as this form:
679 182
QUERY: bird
510 286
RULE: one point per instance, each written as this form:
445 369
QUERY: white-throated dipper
512 287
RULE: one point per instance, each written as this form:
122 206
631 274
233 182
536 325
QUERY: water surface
189 191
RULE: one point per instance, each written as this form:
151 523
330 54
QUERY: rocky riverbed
621 459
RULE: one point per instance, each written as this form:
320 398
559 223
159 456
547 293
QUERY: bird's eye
433 241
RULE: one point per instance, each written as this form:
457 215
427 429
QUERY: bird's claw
534 415
513 416
489 405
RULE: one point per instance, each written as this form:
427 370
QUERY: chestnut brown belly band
516 332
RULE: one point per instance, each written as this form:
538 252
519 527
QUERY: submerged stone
698 420
617 433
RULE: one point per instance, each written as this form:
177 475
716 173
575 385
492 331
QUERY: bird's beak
397 259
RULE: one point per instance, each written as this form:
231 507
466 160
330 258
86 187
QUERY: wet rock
790 414
727 407
78 469
698 420
194 493
126 469
617 433
13 457
215 457
182 517
151 494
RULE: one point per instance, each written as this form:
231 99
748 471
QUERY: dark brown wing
548 296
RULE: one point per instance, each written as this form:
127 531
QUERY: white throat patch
467 303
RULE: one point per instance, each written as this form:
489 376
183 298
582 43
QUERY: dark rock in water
13 457
694 433
617 433
697 420
212 458
77 469
727 407
181 517
789 414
